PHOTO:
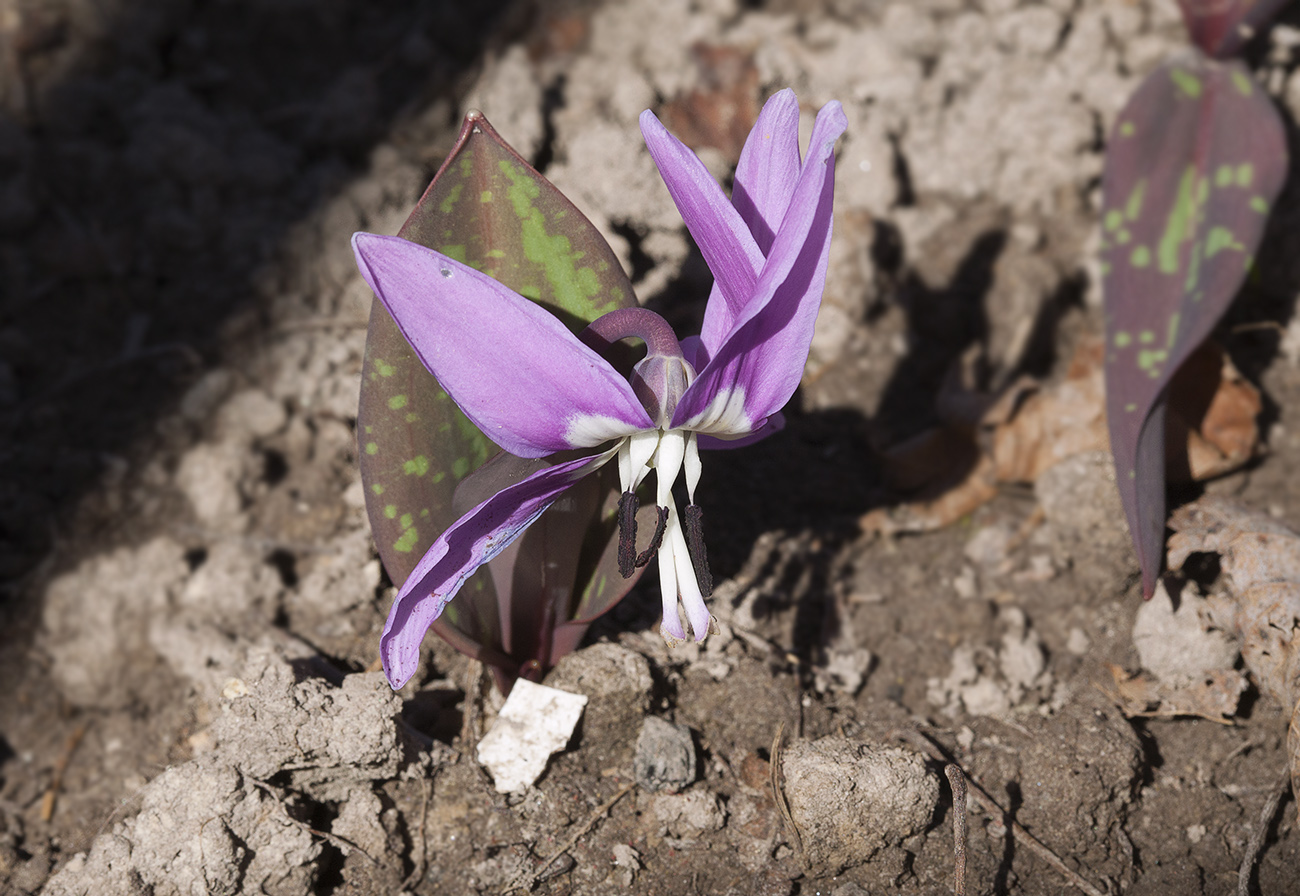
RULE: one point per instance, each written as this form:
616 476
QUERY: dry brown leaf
1212 696
1030 428
1260 559
976 490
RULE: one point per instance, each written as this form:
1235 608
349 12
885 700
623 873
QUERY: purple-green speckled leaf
1193 166
487 208
1222 27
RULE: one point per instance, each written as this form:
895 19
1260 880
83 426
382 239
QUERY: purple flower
536 390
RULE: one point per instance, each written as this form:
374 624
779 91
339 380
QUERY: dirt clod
854 801
665 756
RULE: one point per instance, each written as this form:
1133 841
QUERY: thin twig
778 793
255 542
418 871
957 781
56 781
1258 325
990 806
318 323
1256 843
1026 529
339 842
600 812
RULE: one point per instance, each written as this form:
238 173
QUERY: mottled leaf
489 209
1194 164
1222 27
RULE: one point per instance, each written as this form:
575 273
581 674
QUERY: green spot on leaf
390 511
485 196
1186 82
416 466
407 541
372 448
1259 204
1245 175
1179 224
1146 337
377 489
1148 358
1223 176
405 521
439 476
1242 82
397 402
1220 238
456 251
1127 129
1130 407
1193 268
459 467
411 418
572 288
1133 208
1140 257
383 368
1113 219
448 205
1123 339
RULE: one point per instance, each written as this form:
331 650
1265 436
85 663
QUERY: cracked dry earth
191 602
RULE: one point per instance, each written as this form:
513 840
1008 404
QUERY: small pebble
665 756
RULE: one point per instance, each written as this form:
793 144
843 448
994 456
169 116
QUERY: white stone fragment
1180 645
535 722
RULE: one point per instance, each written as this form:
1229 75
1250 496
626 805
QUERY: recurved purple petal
756 370
768 168
471 541
718 229
511 366
765 178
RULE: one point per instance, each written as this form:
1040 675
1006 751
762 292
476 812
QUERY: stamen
691 465
693 516
655 541
628 505
640 446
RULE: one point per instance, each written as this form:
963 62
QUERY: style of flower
536 389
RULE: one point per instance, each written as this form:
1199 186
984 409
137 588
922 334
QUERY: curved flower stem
632 323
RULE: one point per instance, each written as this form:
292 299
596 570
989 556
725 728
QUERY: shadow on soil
152 158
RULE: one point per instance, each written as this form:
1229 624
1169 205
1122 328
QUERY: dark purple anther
694 519
628 559
661 526
628 505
